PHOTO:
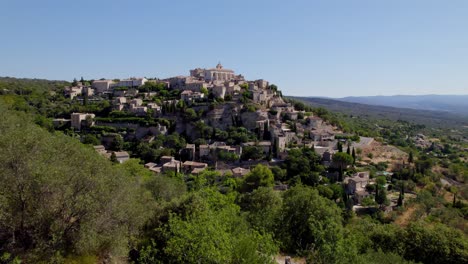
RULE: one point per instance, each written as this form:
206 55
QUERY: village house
122 156
356 185
72 92
138 110
264 145
155 108
313 122
88 91
153 167
218 146
120 100
189 152
136 102
194 167
172 165
102 151
78 118
204 151
219 91
190 96
239 172
231 87
262 84
102 86
177 82
58 122
131 82
195 85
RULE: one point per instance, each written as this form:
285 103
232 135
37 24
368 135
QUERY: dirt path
404 219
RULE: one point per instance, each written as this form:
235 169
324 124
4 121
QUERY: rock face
250 119
222 116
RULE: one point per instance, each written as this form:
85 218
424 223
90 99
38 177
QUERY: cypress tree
113 158
354 156
400 200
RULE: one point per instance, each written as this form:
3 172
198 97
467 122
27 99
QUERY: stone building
356 185
219 91
102 86
78 118
132 82
73 92
214 74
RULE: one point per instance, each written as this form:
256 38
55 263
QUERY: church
215 74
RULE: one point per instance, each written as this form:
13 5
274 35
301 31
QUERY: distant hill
457 104
436 119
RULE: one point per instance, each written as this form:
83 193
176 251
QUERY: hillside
165 174
436 119
456 104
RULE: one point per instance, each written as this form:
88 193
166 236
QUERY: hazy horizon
308 48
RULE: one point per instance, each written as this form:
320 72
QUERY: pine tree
348 150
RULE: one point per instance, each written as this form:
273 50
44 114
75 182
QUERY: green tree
252 152
381 196
261 175
204 91
206 227
380 191
48 209
91 139
278 173
263 207
117 143
311 223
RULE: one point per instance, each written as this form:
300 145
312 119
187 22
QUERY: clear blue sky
311 48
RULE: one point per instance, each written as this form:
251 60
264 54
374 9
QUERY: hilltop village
182 169
215 119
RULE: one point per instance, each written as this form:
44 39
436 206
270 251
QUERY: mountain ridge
457 104
439 119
